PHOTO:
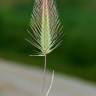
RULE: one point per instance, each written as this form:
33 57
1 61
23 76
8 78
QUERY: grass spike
46 31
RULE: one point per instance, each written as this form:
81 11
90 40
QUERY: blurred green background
76 56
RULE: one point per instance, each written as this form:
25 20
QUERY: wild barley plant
46 31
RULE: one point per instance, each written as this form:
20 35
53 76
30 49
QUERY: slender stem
44 79
52 79
44 76
45 64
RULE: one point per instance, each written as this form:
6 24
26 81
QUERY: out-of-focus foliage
77 55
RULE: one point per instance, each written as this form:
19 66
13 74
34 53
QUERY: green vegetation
77 56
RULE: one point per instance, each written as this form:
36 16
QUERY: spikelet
46 28
46 31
